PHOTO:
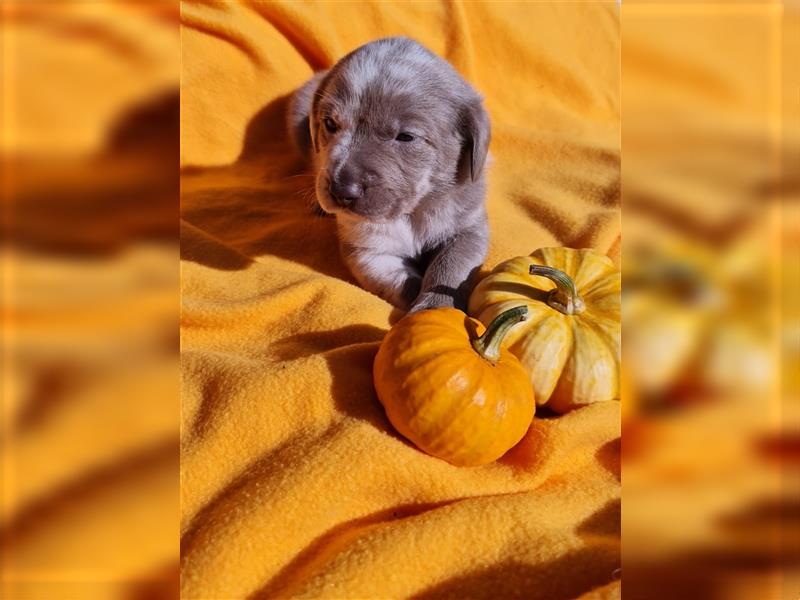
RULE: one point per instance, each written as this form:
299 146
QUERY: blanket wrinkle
503 540
231 36
295 31
458 48
495 582
321 342
249 476
197 245
291 472
603 523
336 538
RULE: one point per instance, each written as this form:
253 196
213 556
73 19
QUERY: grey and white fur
398 142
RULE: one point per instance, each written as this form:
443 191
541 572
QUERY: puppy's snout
345 188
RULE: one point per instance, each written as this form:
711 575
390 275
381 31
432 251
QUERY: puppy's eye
330 125
404 137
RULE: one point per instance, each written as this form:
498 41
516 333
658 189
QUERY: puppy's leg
388 276
448 278
299 111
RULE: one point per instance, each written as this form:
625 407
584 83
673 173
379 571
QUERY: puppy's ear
323 77
313 125
301 114
475 133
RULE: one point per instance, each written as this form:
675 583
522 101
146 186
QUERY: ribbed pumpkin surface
572 360
441 394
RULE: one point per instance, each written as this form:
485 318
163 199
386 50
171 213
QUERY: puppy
398 142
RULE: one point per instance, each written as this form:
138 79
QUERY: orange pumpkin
451 388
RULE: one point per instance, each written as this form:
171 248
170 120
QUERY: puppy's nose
345 189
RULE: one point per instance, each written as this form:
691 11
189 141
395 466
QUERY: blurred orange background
710 343
90 299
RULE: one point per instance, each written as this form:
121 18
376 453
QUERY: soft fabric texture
293 482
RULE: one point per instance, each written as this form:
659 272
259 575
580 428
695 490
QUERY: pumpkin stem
564 298
488 345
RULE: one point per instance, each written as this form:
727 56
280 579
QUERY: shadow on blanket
546 581
608 455
349 352
271 209
266 132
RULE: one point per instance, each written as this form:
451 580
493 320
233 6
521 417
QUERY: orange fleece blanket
293 482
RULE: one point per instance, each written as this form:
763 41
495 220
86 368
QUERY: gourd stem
564 298
488 345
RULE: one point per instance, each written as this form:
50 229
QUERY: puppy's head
391 123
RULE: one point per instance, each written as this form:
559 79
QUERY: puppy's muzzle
345 189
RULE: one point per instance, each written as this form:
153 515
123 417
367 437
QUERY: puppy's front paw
429 299
409 292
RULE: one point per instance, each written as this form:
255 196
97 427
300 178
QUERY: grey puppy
398 142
